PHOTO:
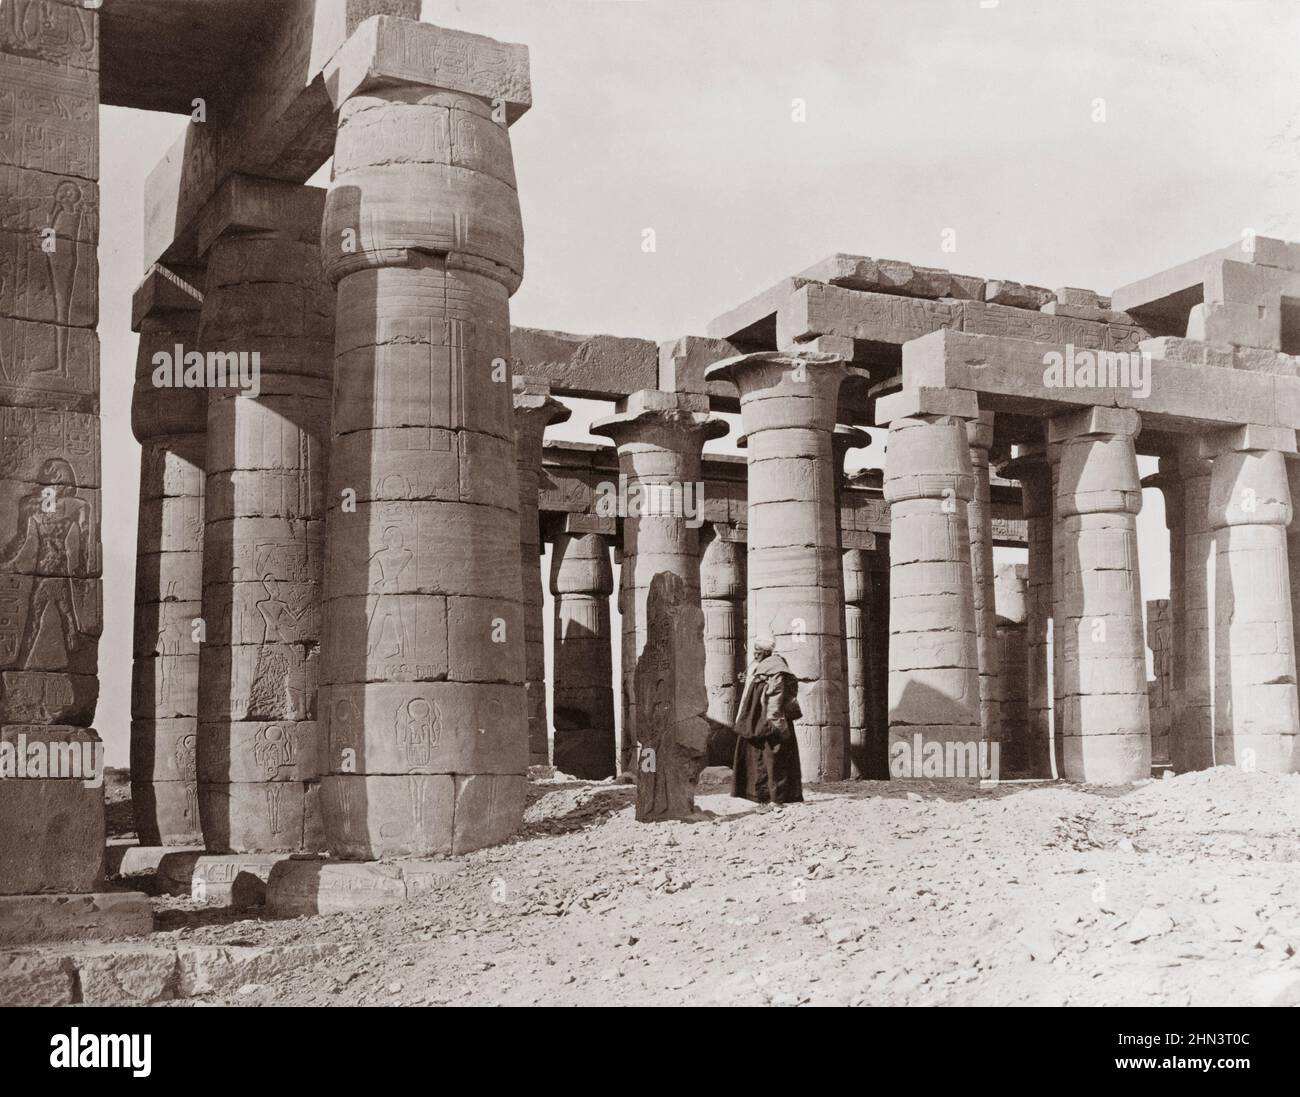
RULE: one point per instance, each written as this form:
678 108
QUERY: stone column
877 624
267 304
1160 687
1256 720
535 409
50 560
171 427
660 438
934 703
788 404
1191 733
1019 745
979 433
722 597
425 717
1103 714
581 583
857 615
843 439
1031 467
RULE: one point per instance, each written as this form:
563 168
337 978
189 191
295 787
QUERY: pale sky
921 116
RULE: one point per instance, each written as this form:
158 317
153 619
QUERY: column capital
845 438
247 204
1250 437
385 51
1031 466
1093 421
927 403
979 431
928 459
675 421
535 410
786 389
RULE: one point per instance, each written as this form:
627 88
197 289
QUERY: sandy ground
1169 892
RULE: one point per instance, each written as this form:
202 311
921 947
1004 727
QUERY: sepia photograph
650 503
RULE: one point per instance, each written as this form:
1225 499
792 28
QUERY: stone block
93 916
53 117
39 979
48 366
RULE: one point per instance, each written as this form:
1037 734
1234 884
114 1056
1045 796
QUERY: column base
84 916
1106 759
335 887
131 860
220 879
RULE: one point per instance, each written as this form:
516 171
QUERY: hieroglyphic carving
47 366
50 30
49 117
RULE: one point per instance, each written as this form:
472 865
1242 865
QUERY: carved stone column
788 403
934 703
535 409
660 437
1191 733
171 426
979 433
425 708
267 306
1019 744
1103 714
857 613
581 583
722 597
1256 719
1031 467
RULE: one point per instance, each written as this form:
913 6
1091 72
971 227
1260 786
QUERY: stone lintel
858 539
578 524
1095 420
245 203
911 403
1183 282
1002 291
1014 375
1250 436
896 276
588 367
384 51
163 290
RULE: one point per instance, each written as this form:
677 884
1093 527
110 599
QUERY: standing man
766 766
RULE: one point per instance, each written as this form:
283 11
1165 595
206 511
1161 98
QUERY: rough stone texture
722 597
83 915
264 511
331 887
788 407
1256 720
1018 740
425 727
581 583
933 654
1191 733
979 433
1030 466
588 366
534 411
51 831
1101 689
1160 687
171 426
857 636
660 437
233 880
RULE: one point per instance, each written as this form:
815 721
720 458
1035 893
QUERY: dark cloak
766 765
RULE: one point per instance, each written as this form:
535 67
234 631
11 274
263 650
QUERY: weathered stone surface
587 366
54 117
1019 739
234 880
1160 687
893 276
581 583
85 915
722 598
332 887
789 407
35 978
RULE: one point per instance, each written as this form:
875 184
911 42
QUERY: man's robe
766 765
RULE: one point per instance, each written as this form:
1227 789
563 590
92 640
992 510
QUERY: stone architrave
425 725
268 305
1103 715
50 515
581 584
979 433
722 597
934 702
1256 719
788 404
1031 467
1018 744
535 409
660 438
170 424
